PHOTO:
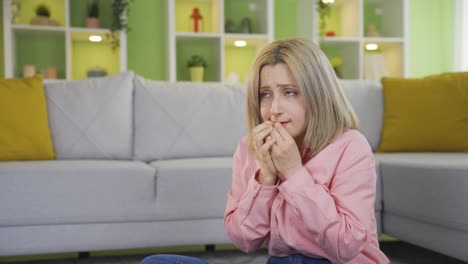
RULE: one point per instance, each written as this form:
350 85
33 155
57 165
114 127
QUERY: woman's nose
276 106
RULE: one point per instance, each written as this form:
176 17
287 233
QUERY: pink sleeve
340 217
247 216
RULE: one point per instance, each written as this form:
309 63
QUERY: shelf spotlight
95 38
240 43
372 46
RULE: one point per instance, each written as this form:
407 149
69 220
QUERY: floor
398 253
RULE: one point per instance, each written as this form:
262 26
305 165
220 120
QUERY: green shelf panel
236 11
86 55
79 12
27 11
206 47
41 50
386 16
371 17
209 10
349 55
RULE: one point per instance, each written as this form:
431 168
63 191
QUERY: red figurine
330 33
196 16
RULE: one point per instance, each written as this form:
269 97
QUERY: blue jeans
296 259
171 259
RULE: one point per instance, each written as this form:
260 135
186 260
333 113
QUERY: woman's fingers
267 146
260 136
266 157
262 126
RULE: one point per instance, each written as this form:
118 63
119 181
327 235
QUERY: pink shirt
325 210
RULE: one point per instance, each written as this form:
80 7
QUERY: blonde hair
328 110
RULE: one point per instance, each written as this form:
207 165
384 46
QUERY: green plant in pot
42 10
120 12
324 10
196 65
42 17
92 21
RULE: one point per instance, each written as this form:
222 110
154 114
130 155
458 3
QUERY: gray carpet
398 252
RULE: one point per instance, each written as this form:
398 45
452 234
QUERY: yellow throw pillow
426 114
24 126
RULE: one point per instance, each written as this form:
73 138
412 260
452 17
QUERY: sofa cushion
192 188
426 187
24 126
75 192
92 118
185 120
367 101
427 114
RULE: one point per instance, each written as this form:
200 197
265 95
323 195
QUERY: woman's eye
264 94
290 93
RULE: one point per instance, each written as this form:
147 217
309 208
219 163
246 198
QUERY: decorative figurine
230 26
371 31
245 26
197 17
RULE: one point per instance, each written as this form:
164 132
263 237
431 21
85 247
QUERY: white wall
461 35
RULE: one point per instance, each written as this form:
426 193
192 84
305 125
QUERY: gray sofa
143 163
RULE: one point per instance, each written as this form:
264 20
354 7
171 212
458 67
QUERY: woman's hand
285 153
263 143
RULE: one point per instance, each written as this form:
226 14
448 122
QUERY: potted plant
324 10
43 16
196 65
92 21
120 11
42 11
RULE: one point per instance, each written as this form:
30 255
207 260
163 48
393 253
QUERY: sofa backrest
92 118
175 120
367 100
126 116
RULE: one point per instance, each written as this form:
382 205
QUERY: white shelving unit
213 42
349 21
16 32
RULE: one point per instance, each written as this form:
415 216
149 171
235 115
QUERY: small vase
40 21
196 73
50 72
29 70
93 22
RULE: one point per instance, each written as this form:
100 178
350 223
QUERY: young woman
304 178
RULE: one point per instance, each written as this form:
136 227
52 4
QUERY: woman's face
282 101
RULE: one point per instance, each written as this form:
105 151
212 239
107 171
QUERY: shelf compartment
247 16
35 28
79 13
344 19
348 52
26 11
41 50
209 10
86 54
389 56
207 47
384 18
238 60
